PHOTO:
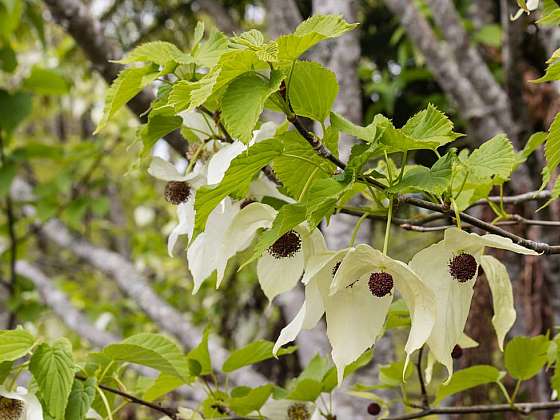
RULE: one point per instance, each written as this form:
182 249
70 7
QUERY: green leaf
434 180
157 52
46 82
524 357
252 401
533 144
312 90
163 385
209 52
299 164
305 390
10 15
236 180
8 172
367 133
188 96
252 353
494 158
152 350
243 102
289 216
322 198
53 370
125 87
310 32
14 108
8 59
316 369
5 369
469 378
490 35
392 374
81 398
552 148
158 125
15 344
201 355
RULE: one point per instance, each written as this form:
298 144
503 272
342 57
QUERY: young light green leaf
201 355
243 102
252 353
310 32
209 52
152 350
80 399
367 133
252 401
494 158
296 172
552 149
158 125
312 90
330 380
533 143
157 52
125 87
188 96
237 178
502 296
53 370
469 378
321 199
430 125
15 344
524 357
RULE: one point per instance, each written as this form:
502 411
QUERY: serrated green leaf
236 180
80 399
53 370
46 82
321 199
158 125
309 33
157 52
201 355
305 390
15 344
243 102
210 51
295 173
367 133
188 96
469 378
312 90
534 142
8 172
152 350
252 401
125 87
552 149
252 353
163 385
434 180
524 357
494 158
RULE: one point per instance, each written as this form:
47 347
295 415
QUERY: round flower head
19 405
449 268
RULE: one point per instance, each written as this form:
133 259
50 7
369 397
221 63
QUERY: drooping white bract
20 404
282 265
453 297
165 171
337 284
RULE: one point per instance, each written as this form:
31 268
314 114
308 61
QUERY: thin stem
457 213
170 412
105 402
424 392
516 390
388 227
357 228
403 165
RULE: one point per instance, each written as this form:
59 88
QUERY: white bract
355 317
526 6
19 405
453 297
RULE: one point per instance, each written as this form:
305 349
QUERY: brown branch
169 412
515 199
425 399
522 408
